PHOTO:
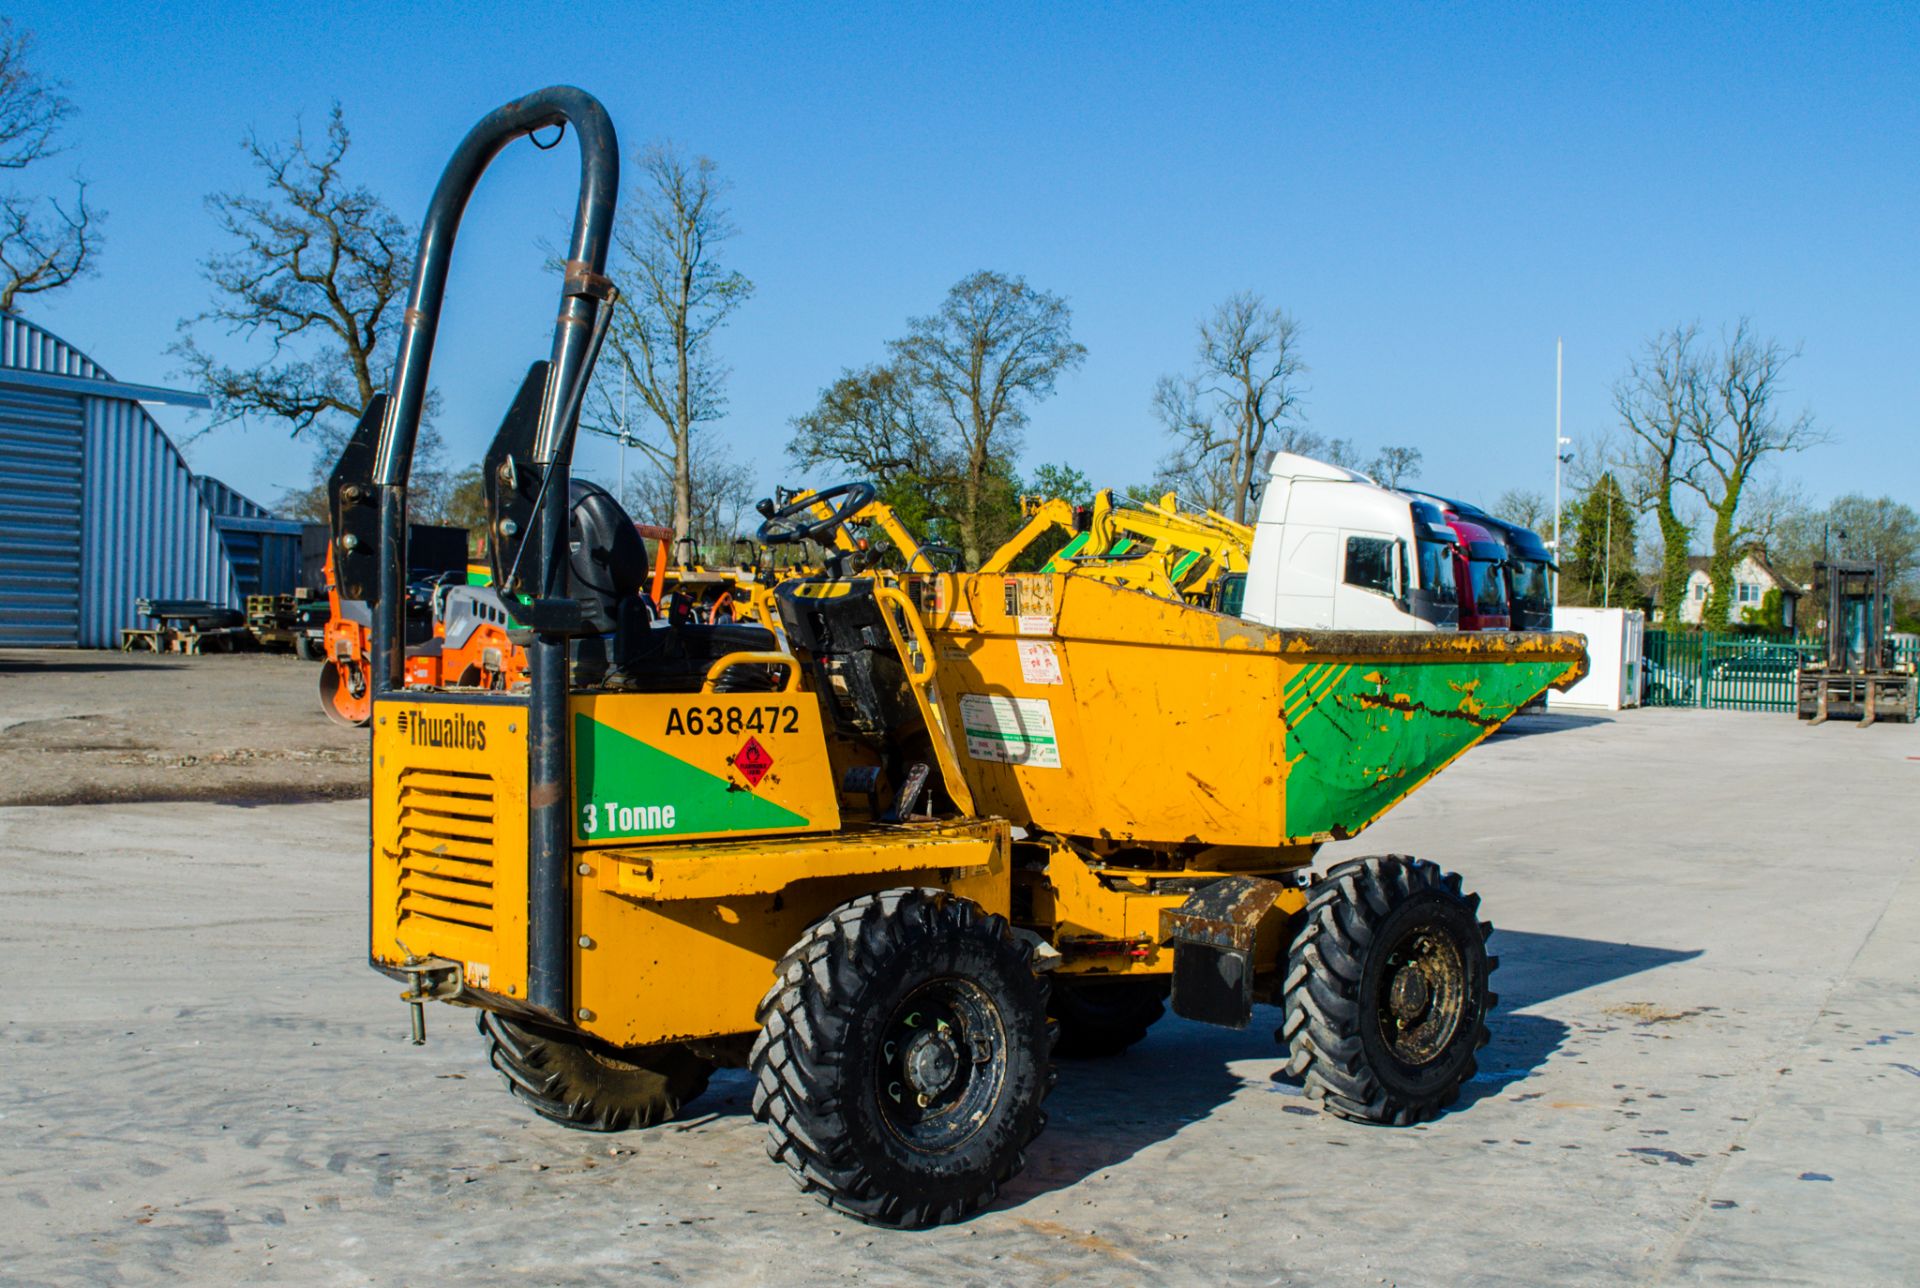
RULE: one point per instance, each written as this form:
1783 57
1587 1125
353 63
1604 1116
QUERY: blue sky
1437 193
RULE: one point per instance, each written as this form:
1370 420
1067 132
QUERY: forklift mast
1856 614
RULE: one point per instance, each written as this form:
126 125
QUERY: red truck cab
1479 575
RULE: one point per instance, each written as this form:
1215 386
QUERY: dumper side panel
1093 711
449 873
680 942
677 766
1362 733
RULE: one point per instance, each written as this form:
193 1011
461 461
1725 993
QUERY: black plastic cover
353 507
513 483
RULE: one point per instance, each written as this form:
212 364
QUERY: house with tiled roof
1753 577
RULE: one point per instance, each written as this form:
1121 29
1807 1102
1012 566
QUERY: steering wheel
796 521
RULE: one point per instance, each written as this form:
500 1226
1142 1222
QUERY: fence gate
1727 672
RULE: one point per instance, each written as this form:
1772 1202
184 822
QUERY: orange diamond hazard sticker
753 761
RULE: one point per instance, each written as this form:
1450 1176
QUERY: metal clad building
98 508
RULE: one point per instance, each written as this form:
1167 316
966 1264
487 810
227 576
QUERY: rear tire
1386 997
903 1058
1104 1017
591 1087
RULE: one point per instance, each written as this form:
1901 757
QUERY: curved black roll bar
585 292
584 289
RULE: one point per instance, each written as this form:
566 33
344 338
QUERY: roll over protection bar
585 291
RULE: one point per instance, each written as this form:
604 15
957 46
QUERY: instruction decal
1039 664
1014 731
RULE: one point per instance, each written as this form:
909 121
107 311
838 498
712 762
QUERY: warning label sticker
753 761
1034 624
1039 664
1014 731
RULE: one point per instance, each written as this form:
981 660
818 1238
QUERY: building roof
34 358
1786 584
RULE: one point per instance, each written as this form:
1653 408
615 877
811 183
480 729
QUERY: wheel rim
941 1064
1423 994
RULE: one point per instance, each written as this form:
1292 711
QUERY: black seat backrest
607 560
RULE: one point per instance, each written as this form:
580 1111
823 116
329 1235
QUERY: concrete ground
1705 1066
86 726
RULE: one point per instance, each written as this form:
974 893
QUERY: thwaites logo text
458 732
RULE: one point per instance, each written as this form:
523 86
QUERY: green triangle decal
624 787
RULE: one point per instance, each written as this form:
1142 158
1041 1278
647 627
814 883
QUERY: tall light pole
1560 454
623 434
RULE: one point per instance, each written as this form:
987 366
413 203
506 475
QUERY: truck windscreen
1436 566
1489 588
1531 591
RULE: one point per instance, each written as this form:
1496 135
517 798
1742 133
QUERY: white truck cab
1334 550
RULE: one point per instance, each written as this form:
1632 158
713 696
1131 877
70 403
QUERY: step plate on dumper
1227 939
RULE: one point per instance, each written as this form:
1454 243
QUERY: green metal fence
1729 672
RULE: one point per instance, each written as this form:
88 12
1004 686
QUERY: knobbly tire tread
1103 1019
1322 1009
817 1019
564 1083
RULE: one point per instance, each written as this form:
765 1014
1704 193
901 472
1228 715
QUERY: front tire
589 1086
1386 997
903 1058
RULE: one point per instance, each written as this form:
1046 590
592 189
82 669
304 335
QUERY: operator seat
632 647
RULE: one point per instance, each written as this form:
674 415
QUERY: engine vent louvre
447 828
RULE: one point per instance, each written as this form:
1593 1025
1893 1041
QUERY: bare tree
874 422
307 294
1240 407
675 296
1745 428
1664 402
1392 466
722 490
43 244
1523 506
995 347
1343 452
318 264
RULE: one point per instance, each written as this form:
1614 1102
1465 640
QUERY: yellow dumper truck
889 853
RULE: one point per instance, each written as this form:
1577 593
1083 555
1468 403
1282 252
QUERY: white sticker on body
962 620
1014 731
1030 624
1039 664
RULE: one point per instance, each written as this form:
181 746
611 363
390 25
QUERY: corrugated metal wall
98 508
26 346
264 551
149 534
40 508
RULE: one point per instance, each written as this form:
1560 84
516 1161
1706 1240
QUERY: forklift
1857 676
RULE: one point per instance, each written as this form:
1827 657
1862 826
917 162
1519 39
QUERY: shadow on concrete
1537 968
1105 1111
68 663
1525 726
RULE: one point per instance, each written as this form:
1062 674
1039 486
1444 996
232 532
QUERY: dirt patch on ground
85 727
1651 1013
